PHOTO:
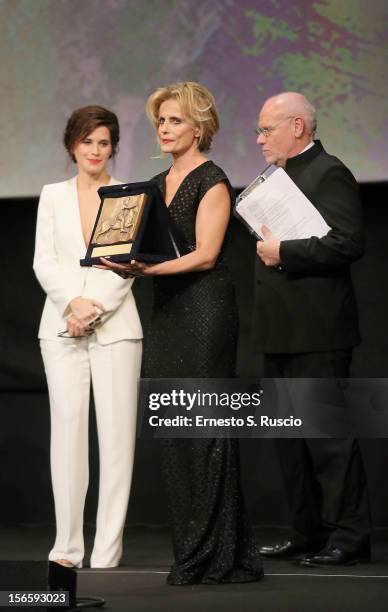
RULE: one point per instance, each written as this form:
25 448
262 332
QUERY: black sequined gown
193 334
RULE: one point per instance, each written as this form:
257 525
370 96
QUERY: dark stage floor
139 585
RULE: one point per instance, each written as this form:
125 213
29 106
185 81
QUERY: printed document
279 204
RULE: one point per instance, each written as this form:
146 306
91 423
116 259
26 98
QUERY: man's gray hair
310 116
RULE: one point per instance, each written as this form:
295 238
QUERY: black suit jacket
310 304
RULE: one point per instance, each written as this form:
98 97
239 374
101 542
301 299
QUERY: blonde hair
198 106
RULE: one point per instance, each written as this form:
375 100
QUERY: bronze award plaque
117 225
132 223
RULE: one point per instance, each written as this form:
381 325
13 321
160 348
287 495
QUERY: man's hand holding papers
268 249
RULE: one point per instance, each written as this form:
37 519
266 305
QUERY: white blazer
59 247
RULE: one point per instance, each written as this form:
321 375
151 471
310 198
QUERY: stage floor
139 584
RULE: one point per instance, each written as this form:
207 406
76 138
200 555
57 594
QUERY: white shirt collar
310 144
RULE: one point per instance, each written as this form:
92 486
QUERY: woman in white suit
110 357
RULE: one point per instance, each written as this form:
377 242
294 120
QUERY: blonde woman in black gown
193 334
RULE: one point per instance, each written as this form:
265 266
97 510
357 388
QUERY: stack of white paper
280 205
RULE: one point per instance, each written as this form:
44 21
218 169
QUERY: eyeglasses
267 131
88 331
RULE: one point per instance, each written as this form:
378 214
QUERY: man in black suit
306 325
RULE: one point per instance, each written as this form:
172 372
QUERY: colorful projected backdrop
57 55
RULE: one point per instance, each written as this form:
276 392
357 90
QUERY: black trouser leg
339 469
303 493
324 478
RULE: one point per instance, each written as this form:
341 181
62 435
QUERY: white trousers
115 371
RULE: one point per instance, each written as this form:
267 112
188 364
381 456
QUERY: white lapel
74 217
73 214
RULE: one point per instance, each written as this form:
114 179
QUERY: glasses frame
267 131
89 329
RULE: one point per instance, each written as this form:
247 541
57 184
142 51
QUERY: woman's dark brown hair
84 121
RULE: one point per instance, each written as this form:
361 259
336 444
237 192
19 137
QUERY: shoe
284 550
333 556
